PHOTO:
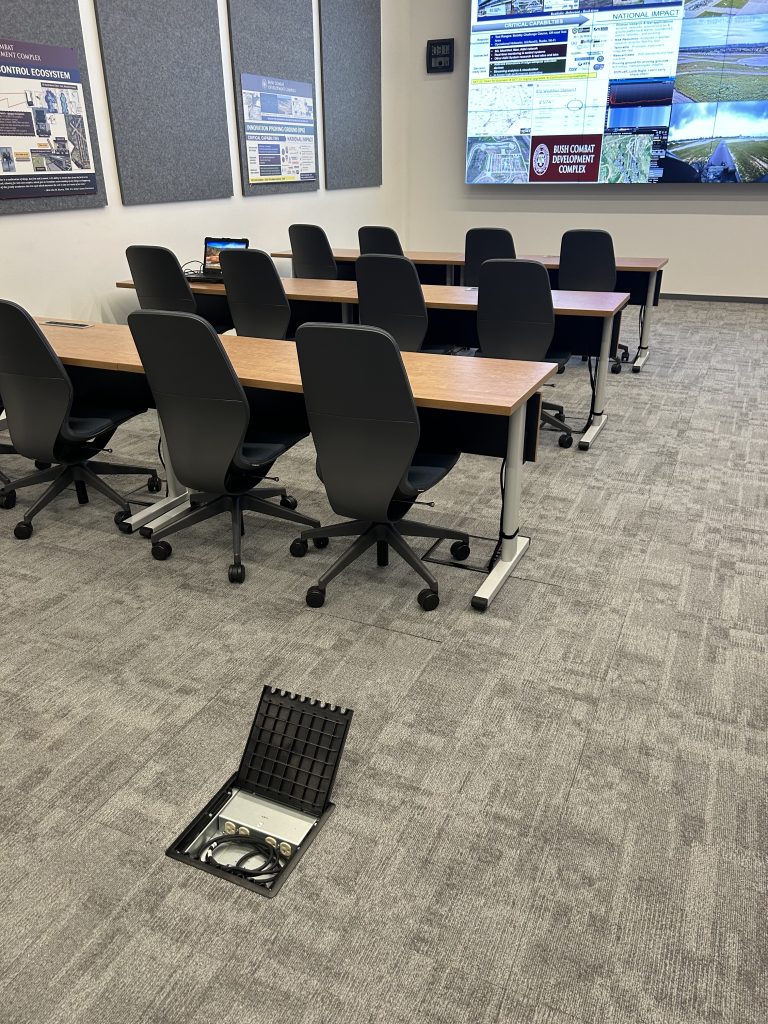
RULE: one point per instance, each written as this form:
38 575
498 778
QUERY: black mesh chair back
362 415
255 292
390 298
36 388
515 315
159 280
202 406
587 262
379 241
485 244
312 253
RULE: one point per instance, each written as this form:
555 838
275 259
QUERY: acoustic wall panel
53 24
276 40
350 35
165 84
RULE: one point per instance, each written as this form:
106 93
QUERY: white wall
714 235
65 264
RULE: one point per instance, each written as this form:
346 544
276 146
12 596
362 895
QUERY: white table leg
162 511
513 545
599 417
644 351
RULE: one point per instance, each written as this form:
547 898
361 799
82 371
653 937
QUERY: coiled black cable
264 873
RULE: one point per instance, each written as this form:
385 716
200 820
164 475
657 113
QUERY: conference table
495 387
640 276
604 306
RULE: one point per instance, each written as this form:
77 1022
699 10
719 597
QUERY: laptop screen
213 248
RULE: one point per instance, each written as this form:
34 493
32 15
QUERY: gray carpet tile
554 813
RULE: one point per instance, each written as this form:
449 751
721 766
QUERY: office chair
588 264
379 241
255 292
312 253
485 244
516 320
47 424
205 414
161 284
390 297
366 431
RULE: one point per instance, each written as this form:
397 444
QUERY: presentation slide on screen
45 146
279 130
605 91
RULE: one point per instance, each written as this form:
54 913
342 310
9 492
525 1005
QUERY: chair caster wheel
560 416
237 574
120 522
22 531
625 357
8 500
428 599
299 548
42 466
145 532
460 550
315 597
615 367
154 484
480 604
583 446
321 542
288 502
565 440
161 550
636 369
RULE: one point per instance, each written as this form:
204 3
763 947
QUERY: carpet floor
553 813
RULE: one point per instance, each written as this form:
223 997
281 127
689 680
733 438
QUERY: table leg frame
644 350
513 545
161 512
599 418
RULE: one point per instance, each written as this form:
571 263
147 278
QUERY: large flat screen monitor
614 92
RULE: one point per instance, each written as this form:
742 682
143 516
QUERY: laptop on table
212 257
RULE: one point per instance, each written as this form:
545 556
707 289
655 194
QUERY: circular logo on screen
541 159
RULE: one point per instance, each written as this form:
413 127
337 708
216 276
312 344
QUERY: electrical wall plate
281 791
440 54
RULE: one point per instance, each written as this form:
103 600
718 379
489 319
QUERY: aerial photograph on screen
618 92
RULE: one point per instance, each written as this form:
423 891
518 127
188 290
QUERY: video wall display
612 92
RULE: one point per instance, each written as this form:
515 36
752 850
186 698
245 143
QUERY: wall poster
45 146
280 130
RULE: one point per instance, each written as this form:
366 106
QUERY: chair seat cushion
83 428
429 468
266 449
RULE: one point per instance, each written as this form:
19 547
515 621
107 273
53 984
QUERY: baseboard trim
714 298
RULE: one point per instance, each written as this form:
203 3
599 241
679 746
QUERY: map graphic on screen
618 92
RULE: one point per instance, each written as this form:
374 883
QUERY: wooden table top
495 386
456 259
436 296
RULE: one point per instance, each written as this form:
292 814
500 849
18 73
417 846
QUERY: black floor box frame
281 791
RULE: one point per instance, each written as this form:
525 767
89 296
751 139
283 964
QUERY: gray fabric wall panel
162 63
53 23
350 33
276 39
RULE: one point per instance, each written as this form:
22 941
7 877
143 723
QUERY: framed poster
45 144
280 129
